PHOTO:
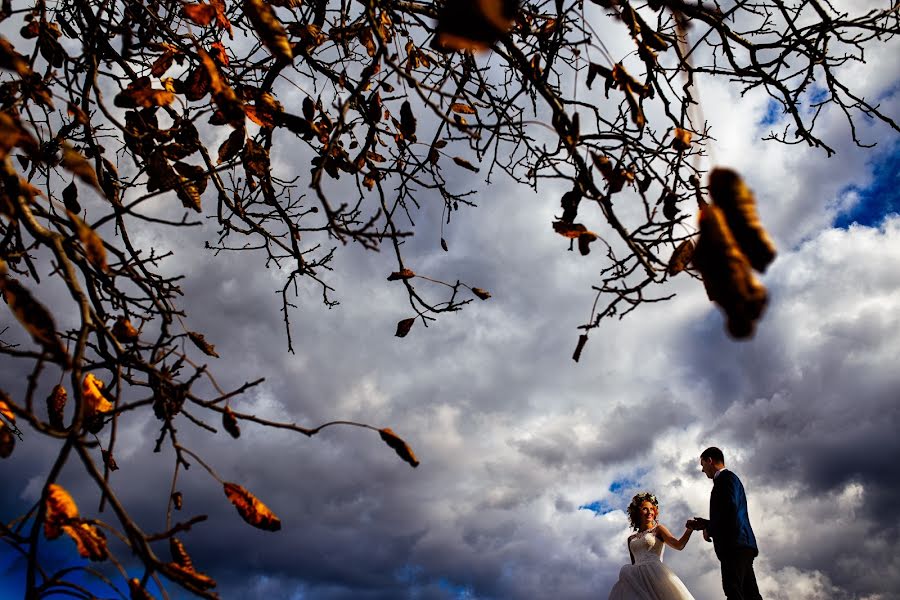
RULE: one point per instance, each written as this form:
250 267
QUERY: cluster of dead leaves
732 243
61 516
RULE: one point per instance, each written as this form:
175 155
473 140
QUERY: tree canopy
120 116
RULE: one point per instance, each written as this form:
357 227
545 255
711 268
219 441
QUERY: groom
729 527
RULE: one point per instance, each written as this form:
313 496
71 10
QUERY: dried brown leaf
584 242
91 242
251 509
569 230
124 331
191 576
582 340
36 319
681 139
483 294
201 14
407 121
7 441
268 28
226 100
401 274
727 275
179 554
400 447
109 460
80 167
732 195
70 198
200 341
681 258
465 164
463 109
230 423
404 326
56 404
177 500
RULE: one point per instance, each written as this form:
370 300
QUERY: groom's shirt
729 521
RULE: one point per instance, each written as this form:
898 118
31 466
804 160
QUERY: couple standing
728 527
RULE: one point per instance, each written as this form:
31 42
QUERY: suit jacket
729 522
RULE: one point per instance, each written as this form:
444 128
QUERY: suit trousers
738 578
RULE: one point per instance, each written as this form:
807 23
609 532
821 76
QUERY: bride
647 578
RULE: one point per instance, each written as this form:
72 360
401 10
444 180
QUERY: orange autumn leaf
179 554
89 540
201 14
401 274
91 242
569 230
400 447
483 294
269 29
224 97
59 509
94 401
5 410
731 194
200 341
124 331
191 576
727 275
464 109
251 509
681 139
80 167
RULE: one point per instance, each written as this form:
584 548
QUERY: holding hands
698 523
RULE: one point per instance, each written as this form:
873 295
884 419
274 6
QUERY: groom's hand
696 523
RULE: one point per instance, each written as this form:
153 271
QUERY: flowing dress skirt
649 581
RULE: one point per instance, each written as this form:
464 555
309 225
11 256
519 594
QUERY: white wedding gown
648 578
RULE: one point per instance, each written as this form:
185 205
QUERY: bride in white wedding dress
647 578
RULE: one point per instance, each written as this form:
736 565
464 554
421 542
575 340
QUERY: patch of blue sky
880 198
774 112
628 483
600 507
55 556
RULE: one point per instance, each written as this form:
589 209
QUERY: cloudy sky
527 458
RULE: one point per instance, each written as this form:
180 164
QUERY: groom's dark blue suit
729 523
733 539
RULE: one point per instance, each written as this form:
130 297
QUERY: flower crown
642 497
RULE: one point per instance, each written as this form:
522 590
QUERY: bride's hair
634 509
